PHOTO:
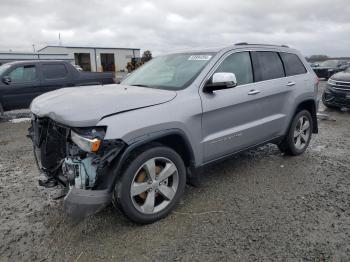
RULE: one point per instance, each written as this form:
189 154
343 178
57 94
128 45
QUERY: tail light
317 81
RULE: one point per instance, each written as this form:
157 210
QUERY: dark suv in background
337 93
330 67
22 81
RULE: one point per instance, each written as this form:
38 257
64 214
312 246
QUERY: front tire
151 185
299 134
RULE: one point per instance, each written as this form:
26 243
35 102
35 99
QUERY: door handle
253 92
291 84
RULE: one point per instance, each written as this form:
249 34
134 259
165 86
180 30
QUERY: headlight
330 70
331 82
86 144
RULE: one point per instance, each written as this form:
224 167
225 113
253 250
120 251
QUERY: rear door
23 88
296 82
275 90
55 75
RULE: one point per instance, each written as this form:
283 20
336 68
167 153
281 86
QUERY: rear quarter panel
306 90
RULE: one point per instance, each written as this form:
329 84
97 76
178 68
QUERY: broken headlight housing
88 139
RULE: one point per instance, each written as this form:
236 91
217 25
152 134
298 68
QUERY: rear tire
151 184
299 134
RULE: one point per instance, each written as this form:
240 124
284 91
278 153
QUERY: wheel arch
311 106
173 138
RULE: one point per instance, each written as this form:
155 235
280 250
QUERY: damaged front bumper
88 175
336 97
80 203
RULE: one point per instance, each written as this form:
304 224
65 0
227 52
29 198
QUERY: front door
23 87
230 116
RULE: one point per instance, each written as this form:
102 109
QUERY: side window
267 65
22 74
54 71
240 65
292 64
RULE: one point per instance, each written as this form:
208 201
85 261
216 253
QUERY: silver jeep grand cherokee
136 144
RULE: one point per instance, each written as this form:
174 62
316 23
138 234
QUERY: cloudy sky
312 26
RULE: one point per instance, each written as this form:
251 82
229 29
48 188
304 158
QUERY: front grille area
50 139
339 85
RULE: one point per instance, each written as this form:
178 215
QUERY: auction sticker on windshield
199 57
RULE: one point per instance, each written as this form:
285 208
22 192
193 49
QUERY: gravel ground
259 205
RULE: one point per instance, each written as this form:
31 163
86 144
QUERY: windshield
3 68
329 63
171 72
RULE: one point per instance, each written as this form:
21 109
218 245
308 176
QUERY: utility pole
59 39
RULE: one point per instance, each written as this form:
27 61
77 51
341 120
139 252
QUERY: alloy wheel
154 185
301 133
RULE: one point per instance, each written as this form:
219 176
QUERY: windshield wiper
154 87
141 85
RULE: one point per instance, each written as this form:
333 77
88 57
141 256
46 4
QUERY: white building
96 59
10 56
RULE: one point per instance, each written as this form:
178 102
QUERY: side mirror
6 80
220 81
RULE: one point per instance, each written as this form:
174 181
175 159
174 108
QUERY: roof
233 46
265 45
88 47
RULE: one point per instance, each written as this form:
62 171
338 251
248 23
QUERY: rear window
267 65
292 64
54 71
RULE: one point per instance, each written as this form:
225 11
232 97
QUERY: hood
85 106
341 76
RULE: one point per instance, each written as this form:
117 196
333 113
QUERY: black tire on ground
122 198
327 104
288 146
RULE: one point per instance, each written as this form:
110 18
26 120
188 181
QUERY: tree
318 58
146 56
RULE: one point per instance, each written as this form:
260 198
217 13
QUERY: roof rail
245 43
